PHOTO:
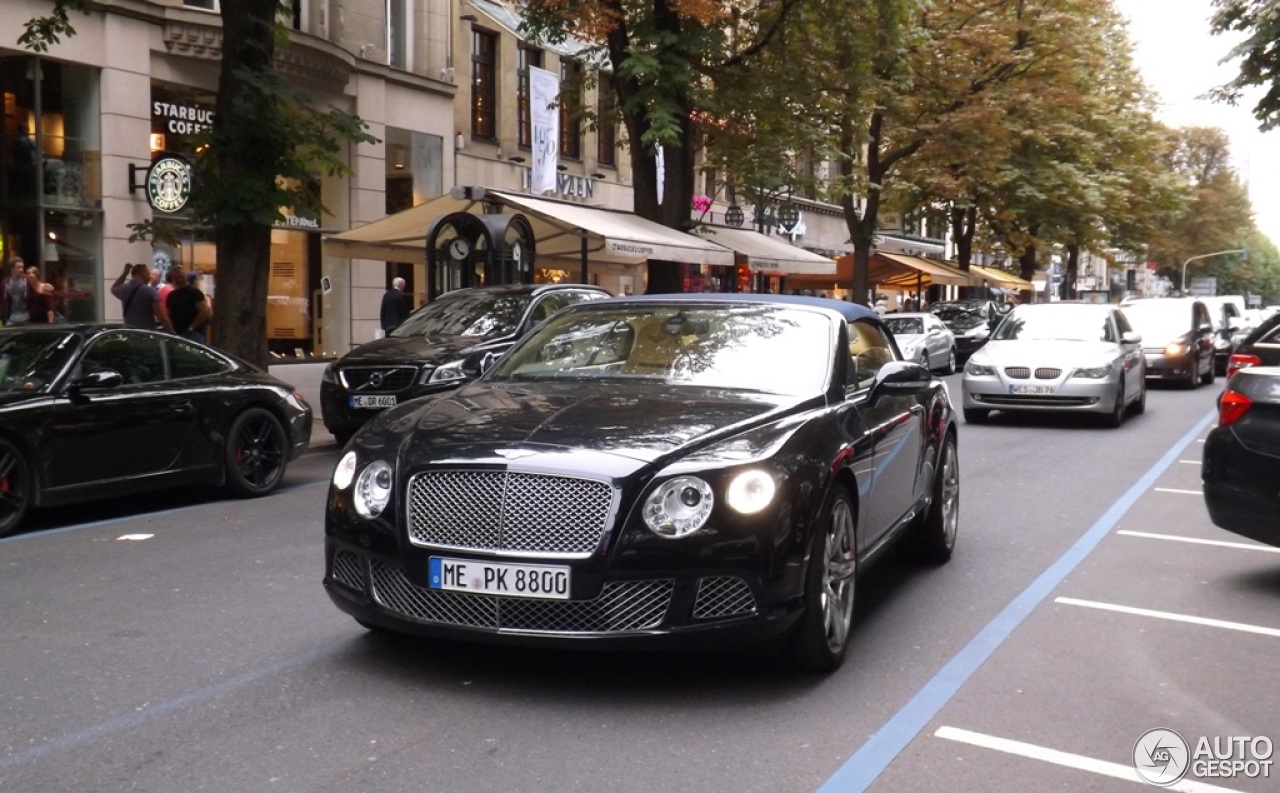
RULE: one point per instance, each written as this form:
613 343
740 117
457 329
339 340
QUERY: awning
770 255
558 227
900 269
1002 278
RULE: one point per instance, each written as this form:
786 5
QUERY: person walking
395 306
139 304
188 309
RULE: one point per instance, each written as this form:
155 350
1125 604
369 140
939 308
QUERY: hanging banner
660 172
544 115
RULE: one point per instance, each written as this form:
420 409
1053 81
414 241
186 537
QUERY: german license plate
1033 390
381 401
548 582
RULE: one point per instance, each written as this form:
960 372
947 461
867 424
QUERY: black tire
976 415
257 453
935 534
951 362
1139 405
1194 377
1210 375
821 638
17 487
1116 417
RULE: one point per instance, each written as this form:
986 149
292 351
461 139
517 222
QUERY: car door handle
182 407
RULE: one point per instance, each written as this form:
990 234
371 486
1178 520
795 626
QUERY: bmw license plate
548 582
1033 390
383 401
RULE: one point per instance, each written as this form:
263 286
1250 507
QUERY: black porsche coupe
660 471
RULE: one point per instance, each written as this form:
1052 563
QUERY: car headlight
979 370
678 507
448 373
330 374
750 491
910 349
1096 373
373 489
1175 348
345 473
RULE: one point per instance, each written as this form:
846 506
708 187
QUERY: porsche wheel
935 537
822 637
257 452
16 486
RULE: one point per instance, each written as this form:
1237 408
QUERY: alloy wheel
839 576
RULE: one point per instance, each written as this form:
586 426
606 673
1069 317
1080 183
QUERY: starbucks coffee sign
169 184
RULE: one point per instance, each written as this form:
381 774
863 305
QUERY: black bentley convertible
676 470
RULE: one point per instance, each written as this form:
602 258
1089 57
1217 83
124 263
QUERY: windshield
961 315
31 359
1159 322
478 315
1055 323
758 348
905 326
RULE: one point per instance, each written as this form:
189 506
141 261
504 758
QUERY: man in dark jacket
395 306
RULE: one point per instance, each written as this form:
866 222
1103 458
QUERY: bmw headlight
345 473
678 507
373 489
750 491
979 370
1095 373
448 373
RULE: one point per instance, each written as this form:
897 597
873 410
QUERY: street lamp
1206 256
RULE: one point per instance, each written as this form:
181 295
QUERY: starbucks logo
169 184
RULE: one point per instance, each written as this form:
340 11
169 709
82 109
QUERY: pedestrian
139 304
188 309
395 305
13 296
157 278
40 304
164 289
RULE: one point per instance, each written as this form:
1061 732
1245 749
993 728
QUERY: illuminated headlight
345 473
678 507
373 489
750 491
1096 373
1175 348
448 373
979 370
330 374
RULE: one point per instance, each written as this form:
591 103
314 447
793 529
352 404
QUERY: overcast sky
1178 59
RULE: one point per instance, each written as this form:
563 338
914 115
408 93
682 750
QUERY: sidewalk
306 378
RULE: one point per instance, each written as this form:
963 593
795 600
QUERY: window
398 34
607 123
571 109
868 351
205 5
527 58
136 356
484 88
188 360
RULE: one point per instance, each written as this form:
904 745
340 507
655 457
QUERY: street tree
1259 57
268 148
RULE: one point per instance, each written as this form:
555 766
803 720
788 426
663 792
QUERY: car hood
1062 354
908 338
422 349
498 422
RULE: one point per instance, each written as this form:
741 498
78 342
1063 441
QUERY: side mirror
1129 337
900 378
99 378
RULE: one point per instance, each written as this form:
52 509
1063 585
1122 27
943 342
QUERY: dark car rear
1260 348
970 320
1242 456
439 347
1177 339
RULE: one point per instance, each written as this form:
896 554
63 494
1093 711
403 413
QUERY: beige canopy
770 255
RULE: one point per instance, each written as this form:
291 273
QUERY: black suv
970 320
438 347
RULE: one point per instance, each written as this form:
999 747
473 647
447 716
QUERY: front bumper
1169 367
341 419
1072 394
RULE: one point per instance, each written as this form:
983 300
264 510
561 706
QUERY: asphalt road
204 655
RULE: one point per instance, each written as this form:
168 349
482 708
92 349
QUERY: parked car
1177 338
922 337
1076 357
671 470
971 321
98 411
1259 348
1242 455
437 348
1225 313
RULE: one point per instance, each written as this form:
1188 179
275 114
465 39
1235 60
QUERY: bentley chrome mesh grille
1018 372
348 569
501 511
1044 373
723 596
622 606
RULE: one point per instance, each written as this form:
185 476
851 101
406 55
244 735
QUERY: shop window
571 109
527 58
484 89
607 122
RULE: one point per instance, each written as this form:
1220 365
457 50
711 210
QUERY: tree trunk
1027 263
963 223
1068 291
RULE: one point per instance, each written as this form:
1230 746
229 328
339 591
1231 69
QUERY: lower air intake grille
723 596
348 570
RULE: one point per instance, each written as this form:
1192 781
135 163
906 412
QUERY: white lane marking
1172 617
1076 761
1199 440
135 537
1190 462
1245 546
1176 490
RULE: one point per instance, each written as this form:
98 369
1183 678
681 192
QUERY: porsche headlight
448 373
1095 373
373 489
979 370
750 491
678 507
345 473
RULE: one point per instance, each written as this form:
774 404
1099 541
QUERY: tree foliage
1259 21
